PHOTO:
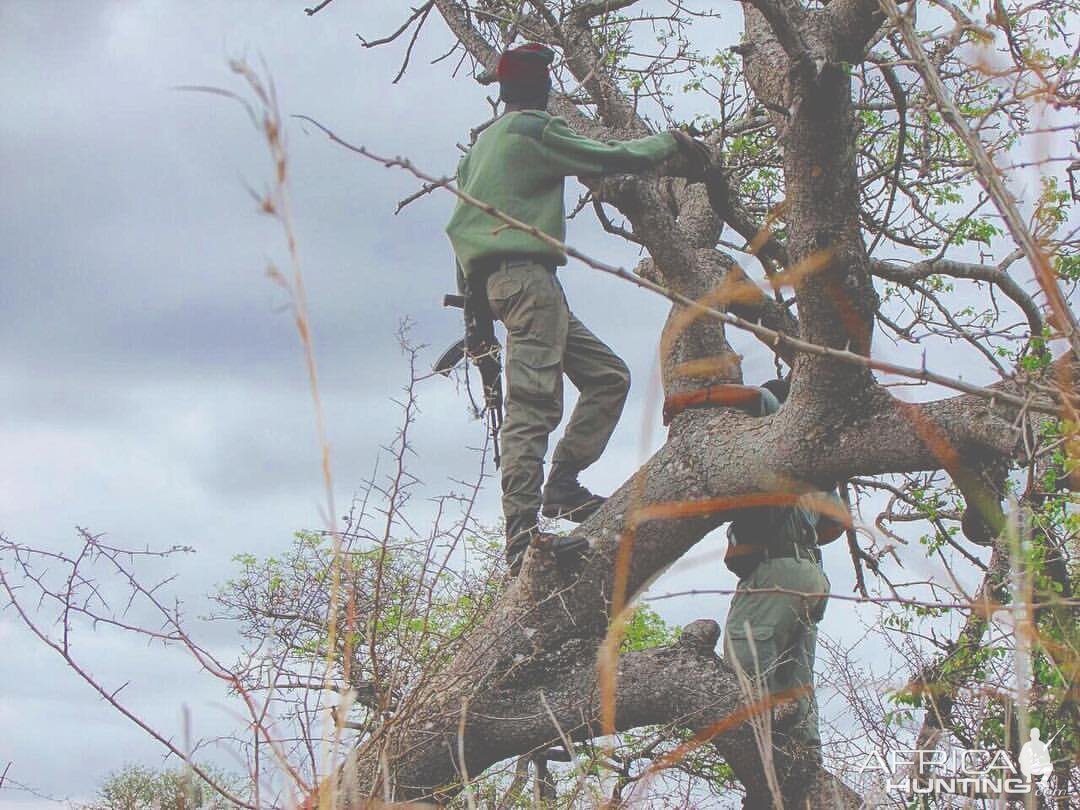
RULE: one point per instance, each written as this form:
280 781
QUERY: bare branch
995 275
595 8
318 8
420 12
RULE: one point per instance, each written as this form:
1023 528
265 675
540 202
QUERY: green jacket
517 165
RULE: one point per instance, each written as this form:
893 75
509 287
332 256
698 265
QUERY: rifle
480 345
449 359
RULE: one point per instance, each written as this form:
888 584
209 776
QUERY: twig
853 545
986 606
110 697
318 8
425 189
412 42
422 11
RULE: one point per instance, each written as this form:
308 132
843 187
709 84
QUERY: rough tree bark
528 674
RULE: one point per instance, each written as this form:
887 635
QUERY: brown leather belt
791 549
488 266
742 558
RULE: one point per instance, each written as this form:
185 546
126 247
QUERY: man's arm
832 523
573 154
828 530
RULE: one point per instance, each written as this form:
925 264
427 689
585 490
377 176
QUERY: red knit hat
523 72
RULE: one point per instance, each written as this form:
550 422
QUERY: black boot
565 498
522 532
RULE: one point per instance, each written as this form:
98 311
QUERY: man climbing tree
518 165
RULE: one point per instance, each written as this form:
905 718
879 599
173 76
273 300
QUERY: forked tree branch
786 18
976 272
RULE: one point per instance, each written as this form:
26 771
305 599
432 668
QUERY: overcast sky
152 385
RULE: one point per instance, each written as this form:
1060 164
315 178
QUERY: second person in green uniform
771 630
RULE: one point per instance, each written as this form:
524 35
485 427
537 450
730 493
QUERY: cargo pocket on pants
503 290
753 650
533 371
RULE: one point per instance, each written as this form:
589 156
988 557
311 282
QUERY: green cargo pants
772 636
545 341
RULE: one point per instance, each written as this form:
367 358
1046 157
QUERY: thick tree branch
475 43
817 132
856 22
682 685
786 19
894 436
